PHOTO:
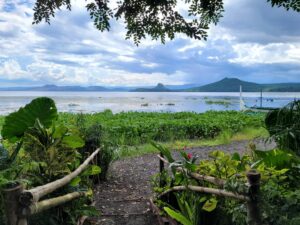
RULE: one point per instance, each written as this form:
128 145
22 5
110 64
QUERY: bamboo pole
213 191
197 176
30 196
38 207
253 212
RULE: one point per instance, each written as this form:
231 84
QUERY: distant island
65 88
224 85
158 88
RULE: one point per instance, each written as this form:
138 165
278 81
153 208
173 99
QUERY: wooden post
253 212
12 207
161 169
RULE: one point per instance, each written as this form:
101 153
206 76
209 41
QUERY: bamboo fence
251 199
20 203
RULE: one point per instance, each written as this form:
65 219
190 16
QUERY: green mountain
233 85
158 88
281 87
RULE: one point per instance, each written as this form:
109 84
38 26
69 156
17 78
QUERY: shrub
279 197
284 126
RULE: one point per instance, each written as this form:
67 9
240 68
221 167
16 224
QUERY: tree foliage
159 19
284 126
288 4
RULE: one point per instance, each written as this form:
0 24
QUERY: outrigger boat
244 107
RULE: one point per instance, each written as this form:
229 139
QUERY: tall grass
224 138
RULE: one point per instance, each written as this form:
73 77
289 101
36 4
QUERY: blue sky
253 42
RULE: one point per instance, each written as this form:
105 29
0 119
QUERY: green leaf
236 157
92 170
166 152
16 123
4 156
178 216
89 211
203 199
210 205
217 154
73 141
75 181
188 209
60 131
275 158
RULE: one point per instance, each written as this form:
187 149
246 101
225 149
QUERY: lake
91 102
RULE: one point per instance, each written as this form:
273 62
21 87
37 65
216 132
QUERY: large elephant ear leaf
16 123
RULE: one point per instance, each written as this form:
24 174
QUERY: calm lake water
91 102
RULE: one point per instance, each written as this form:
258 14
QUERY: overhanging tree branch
159 19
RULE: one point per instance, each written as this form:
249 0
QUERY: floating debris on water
223 102
73 105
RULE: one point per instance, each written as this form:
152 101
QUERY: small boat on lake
244 107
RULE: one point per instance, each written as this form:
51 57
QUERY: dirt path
123 199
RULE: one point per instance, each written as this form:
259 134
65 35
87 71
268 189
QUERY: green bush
39 150
284 126
279 200
95 137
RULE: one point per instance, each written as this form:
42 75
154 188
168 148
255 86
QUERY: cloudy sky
253 42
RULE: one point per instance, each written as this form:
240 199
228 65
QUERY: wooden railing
20 203
253 177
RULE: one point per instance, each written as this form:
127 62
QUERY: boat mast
261 98
241 99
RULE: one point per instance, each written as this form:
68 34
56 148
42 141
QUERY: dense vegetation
279 168
279 200
133 128
37 149
39 145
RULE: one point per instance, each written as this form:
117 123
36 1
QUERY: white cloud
124 58
250 53
150 65
72 51
11 70
67 75
193 44
215 58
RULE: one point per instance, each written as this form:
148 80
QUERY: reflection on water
90 102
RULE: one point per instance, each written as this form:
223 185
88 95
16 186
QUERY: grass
224 138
